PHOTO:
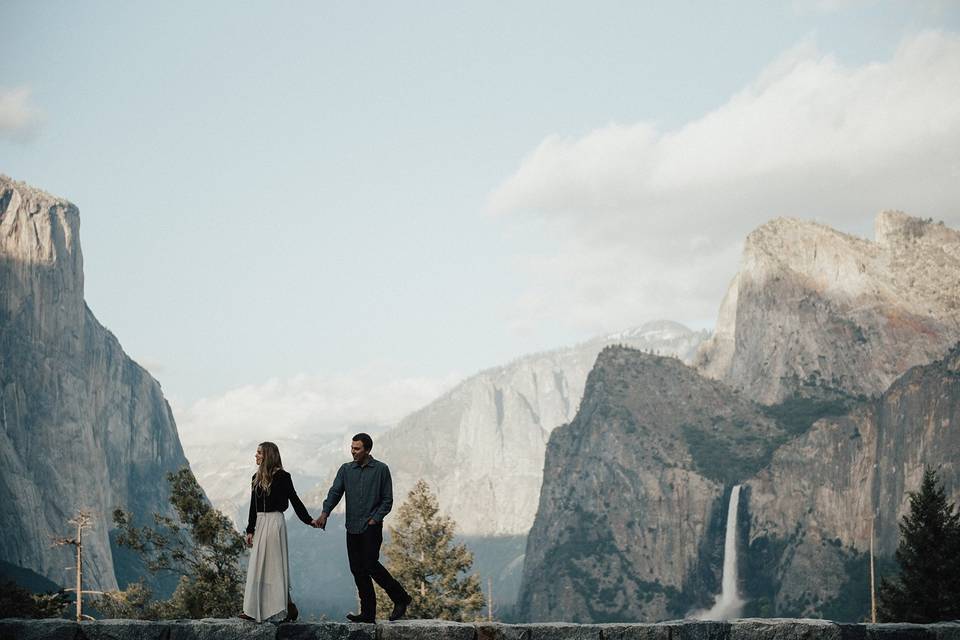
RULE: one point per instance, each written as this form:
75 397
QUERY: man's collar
370 462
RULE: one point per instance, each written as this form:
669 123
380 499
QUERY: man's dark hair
366 440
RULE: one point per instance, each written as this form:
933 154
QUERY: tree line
203 548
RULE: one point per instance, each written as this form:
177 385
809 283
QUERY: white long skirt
268 574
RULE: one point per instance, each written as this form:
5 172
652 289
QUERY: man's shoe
400 608
356 617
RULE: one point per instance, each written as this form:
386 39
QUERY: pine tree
201 546
928 587
422 556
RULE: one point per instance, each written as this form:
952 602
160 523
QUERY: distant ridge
481 445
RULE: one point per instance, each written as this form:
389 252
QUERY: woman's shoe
244 616
292 613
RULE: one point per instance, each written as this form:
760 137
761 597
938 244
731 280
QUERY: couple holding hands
369 490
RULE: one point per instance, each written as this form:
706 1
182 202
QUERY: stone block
635 631
852 631
500 631
50 629
899 631
946 630
123 630
220 629
561 631
697 629
326 631
425 630
784 629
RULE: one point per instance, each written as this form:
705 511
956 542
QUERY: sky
306 216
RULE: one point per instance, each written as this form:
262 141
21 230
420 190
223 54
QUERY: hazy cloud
306 405
648 223
19 119
929 7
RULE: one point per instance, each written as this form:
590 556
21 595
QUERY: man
369 490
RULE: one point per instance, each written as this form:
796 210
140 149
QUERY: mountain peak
813 305
893 228
27 190
37 228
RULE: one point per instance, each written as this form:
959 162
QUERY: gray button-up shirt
369 492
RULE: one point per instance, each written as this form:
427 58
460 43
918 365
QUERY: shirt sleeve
386 496
298 507
252 516
335 493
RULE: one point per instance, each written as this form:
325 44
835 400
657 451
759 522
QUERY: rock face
633 497
82 426
811 510
481 446
813 307
848 347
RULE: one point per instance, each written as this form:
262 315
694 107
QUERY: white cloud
19 119
930 7
306 406
828 6
648 223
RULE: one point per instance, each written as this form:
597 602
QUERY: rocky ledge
211 629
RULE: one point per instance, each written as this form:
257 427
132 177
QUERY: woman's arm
298 507
252 515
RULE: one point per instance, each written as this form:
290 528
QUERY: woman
268 575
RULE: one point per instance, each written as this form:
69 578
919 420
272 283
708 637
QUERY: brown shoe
244 616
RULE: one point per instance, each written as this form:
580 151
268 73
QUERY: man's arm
333 498
386 497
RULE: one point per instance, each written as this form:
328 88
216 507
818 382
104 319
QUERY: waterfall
728 604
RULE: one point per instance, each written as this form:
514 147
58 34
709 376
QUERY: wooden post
82 521
873 589
79 570
489 599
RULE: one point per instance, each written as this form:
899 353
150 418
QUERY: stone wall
210 629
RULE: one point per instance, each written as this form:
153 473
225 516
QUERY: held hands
320 522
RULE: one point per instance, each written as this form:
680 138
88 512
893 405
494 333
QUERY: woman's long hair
268 466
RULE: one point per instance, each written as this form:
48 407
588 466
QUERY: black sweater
281 494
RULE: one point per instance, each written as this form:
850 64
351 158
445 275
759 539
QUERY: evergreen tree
422 556
17 602
200 545
928 587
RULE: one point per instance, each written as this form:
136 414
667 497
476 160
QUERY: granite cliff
481 445
633 501
812 307
834 378
810 511
82 426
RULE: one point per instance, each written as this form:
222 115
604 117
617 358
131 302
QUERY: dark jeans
363 550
